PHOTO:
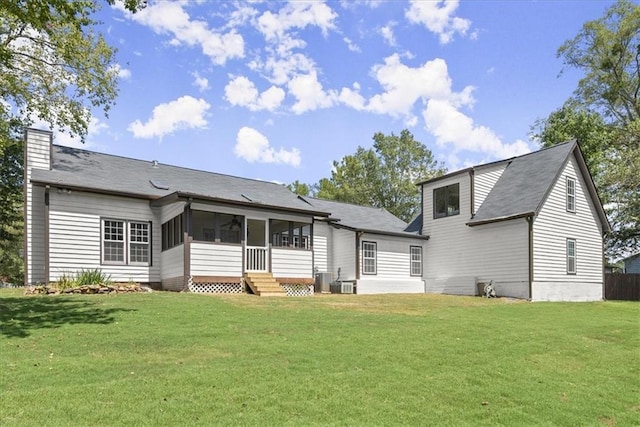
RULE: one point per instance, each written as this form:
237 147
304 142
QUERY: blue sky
277 91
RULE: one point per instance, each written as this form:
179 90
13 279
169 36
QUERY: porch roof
104 173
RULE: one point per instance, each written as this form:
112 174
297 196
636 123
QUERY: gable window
571 194
571 256
416 260
369 255
446 201
126 242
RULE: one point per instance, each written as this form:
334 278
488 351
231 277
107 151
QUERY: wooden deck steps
264 284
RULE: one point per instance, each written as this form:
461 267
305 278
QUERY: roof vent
154 164
158 184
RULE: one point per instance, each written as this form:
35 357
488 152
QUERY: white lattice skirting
294 290
216 288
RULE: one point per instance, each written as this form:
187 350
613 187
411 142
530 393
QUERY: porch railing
256 258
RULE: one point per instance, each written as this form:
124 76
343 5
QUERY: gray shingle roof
362 218
75 168
524 184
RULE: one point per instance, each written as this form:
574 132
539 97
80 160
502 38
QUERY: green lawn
185 359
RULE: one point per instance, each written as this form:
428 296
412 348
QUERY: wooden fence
619 286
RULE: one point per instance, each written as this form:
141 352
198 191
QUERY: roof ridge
165 164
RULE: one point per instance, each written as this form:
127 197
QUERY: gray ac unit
323 281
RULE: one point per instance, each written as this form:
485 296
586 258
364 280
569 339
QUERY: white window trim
412 261
571 195
573 257
126 242
374 258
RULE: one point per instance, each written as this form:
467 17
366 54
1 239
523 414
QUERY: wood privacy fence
619 286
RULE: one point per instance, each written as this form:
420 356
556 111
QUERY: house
632 264
368 247
533 225
177 228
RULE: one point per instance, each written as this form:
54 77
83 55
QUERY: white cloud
451 126
404 86
200 82
387 34
296 15
439 17
253 146
122 73
351 45
241 91
185 112
170 18
310 94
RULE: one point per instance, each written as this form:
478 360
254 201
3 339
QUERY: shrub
92 277
66 281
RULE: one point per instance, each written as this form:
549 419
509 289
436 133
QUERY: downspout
25 184
472 192
530 222
46 235
358 236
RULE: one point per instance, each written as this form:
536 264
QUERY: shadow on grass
20 316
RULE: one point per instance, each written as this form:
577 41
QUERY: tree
604 116
54 67
383 176
300 188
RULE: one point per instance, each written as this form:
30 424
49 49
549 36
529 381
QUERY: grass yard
185 359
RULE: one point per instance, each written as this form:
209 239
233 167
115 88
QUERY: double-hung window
369 250
571 256
416 260
571 194
126 242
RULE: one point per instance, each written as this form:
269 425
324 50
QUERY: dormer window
446 201
571 194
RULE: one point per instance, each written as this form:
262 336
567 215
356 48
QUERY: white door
257 249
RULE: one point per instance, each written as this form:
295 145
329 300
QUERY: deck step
264 284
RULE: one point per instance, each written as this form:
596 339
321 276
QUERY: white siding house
518 224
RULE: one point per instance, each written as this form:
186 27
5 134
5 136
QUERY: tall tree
55 67
384 175
604 115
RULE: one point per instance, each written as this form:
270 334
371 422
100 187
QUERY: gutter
500 218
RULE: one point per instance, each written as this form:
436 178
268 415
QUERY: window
446 201
172 233
571 194
126 242
216 227
416 260
571 256
369 250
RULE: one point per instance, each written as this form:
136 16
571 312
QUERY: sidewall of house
322 233
75 234
343 254
551 229
484 180
393 263
458 256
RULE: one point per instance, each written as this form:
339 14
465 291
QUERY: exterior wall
38 156
552 227
216 259
343 256
171 211
321 241
456 255
393 273
172 263
290 262
75 234
484 180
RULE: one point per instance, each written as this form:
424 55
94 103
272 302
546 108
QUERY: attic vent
247 197
159 185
